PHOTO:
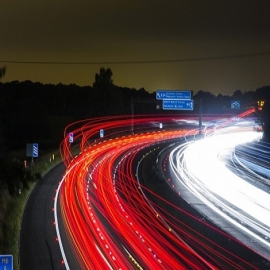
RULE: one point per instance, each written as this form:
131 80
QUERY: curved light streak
107 218
202 168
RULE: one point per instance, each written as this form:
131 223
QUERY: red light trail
109 221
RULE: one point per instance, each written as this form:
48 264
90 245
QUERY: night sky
214 45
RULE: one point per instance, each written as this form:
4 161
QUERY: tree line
35 112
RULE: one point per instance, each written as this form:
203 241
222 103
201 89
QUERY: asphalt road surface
38 245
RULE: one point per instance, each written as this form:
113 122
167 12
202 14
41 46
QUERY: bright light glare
218 187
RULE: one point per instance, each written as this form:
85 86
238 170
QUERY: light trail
202 167
108 220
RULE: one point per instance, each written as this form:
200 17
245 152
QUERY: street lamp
260 104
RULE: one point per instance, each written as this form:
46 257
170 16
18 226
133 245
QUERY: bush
16 183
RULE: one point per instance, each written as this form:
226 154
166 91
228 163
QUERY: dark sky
214 45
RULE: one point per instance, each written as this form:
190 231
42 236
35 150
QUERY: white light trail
201 168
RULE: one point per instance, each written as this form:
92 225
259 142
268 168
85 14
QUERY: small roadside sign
31 151
35 150
6 262
70 137
235 104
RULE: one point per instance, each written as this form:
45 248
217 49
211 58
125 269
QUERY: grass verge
11 208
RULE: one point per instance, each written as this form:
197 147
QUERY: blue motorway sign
101 133
177 94
6 262
235 104
177 104
35 150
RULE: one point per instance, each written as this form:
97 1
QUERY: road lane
38 245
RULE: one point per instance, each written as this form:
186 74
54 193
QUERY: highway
102 184
113 209
95 184
38 245
228 183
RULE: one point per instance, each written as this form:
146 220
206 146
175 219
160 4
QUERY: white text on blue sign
165 94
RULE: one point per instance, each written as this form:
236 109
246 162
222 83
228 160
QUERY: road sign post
31 151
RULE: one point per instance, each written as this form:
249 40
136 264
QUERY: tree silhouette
2 72
103 80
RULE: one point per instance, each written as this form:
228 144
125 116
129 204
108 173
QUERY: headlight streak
57 227
209 179
253 161
206 245
108 219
